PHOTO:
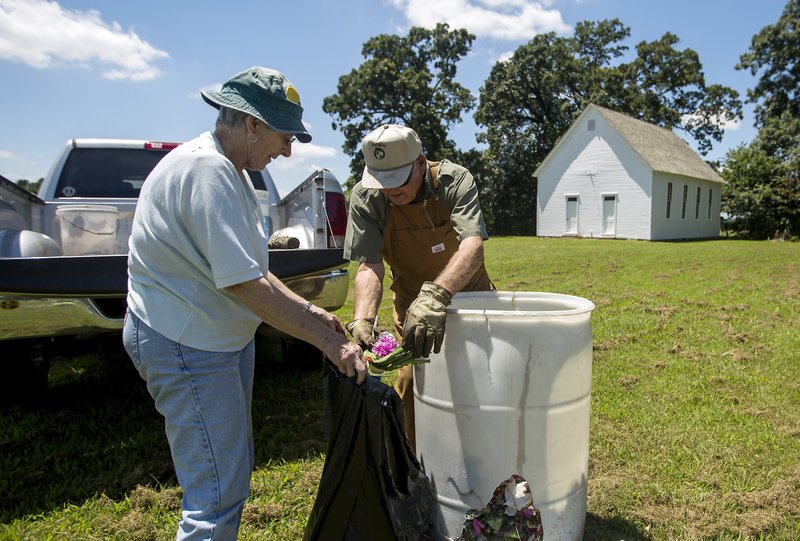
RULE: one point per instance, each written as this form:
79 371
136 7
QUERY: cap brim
284 124
385 180
276 121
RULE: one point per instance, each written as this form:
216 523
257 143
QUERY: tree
529 101
523 118
32 187
483 172
748 200
666 87
405 80
773 57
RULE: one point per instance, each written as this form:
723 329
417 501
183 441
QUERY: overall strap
434 167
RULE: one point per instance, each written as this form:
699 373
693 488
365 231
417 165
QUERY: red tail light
158 145
336 209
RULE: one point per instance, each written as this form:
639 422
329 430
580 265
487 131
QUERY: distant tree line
32 187
531 99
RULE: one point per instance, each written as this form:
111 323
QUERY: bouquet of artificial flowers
386 354
510 514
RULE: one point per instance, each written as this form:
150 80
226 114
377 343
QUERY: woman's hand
346 355
330 321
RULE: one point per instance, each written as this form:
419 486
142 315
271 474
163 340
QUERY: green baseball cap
267 95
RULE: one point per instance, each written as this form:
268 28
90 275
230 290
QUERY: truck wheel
286 354
300 355
25 382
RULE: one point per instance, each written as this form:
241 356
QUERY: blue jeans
205 398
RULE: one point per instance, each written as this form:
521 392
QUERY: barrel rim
577 305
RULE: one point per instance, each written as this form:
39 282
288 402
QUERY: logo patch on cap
292 95
379 153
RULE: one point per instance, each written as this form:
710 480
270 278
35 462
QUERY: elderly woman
199 285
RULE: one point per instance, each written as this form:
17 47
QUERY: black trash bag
372 485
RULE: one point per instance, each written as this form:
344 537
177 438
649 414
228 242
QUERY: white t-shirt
198 228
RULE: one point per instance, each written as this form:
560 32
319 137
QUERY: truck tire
25 381
300 355
283 353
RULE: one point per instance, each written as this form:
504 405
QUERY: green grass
695 426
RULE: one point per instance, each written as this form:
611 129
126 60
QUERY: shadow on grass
611 529
97 430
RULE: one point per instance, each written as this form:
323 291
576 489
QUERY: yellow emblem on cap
292 95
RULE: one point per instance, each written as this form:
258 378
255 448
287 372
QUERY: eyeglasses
287 138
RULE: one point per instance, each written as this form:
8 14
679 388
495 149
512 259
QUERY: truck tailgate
107 275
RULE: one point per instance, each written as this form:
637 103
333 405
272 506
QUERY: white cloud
304 158
311 151
7 155
731 124
503 57
42 34
499 19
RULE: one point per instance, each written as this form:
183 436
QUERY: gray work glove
363 332
423 328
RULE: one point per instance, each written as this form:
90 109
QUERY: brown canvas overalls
418 242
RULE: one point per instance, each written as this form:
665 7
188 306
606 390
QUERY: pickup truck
63 252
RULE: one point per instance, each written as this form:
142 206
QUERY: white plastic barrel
88 229
508 393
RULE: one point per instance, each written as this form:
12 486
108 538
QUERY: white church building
613 176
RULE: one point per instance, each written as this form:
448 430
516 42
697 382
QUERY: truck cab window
112 172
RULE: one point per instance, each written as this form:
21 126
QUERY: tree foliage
529 101
405 80
774 57
772 193
31 186
748 200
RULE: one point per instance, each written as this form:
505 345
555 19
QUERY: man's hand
423 328
363 332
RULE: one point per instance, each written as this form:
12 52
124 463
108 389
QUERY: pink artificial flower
477 526
527 512
384 345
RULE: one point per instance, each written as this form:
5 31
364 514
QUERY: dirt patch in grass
739 337
662 311
762 510
734 307
136 522
135 525
279 494
168 499
262 513
605 345
628 380
748 515
746 354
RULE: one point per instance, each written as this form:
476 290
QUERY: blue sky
91 68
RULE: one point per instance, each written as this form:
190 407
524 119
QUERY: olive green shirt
368 207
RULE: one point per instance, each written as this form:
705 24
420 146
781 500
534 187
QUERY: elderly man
424 219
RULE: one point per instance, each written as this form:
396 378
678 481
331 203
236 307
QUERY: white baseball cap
390 152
